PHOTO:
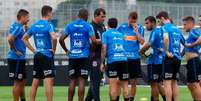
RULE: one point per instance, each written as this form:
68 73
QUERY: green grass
60 94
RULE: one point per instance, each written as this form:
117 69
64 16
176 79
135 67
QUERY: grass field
60 94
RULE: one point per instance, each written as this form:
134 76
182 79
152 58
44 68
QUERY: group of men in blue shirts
118 55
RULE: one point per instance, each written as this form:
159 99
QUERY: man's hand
98 41
52 50
169 55
142 52
188 45
18 53
67 53
135 27
102 67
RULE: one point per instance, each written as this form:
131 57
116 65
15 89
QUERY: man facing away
117 70
172 39
45 40
80 33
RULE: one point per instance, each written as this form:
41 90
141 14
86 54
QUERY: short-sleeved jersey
156 43
41 32
132 44
80 32
115 43
193 35
17 31
176 39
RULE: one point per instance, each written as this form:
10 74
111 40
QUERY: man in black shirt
95 73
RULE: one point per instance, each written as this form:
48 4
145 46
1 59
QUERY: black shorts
171 68
78 68
134 68
154 72
118 70
43 66
17 69
193 70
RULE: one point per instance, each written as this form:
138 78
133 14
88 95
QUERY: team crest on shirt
94 64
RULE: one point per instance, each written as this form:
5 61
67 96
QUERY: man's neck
45 18
167 21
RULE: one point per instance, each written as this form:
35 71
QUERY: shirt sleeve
104 39
66 30
15 30
195 33
91 31
141 30
52 29
30 32
182 39
152 37
120 29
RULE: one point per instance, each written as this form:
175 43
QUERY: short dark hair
98 11
112 22
200 16
189 18
45 10
133 15
162 14
151 19
83 13
22 12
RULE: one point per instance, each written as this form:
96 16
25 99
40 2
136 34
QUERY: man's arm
197 42
166 44
93 40
54 41
25 39
139 37
62 43
145 48
11 40
103 53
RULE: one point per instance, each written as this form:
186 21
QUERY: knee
113 93
134 83
126 93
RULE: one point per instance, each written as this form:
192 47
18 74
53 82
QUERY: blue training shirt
17 31
115 44
193 35
41 31
176 39
132 45
156 43
80 31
